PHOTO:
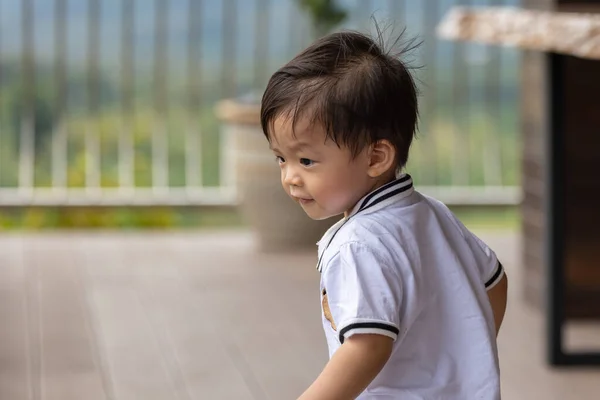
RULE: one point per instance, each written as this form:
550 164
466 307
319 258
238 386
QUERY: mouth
303 200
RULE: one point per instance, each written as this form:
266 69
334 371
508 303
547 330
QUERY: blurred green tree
324 15
14 109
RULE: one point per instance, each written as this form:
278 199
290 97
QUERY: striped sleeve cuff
496 276
378 328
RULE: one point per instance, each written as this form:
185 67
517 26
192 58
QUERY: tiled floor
199 316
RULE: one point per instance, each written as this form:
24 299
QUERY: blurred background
112 102
147 249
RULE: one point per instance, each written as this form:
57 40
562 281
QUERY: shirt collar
376 200
393 191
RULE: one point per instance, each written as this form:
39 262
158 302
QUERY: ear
382 158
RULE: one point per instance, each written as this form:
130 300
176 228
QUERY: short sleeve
364 292
491 268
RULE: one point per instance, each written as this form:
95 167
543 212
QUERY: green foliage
40 218
489 217
110 128
14 107
324 15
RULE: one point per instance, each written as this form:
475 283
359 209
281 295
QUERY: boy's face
320 176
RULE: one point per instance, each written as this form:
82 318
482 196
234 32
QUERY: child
411 300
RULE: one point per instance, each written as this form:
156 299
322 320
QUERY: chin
320 216
317 213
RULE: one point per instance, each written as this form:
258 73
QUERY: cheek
337 190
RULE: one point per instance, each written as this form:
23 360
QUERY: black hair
349 84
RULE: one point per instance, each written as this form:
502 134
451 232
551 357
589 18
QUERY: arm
497 283
498 298
362 299
351 369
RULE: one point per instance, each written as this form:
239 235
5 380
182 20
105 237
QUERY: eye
306 162
279 159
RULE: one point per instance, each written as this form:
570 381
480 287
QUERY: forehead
302 133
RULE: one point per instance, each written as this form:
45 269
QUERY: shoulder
368 242
386 233
370 228
444 212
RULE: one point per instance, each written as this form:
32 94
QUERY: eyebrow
297 147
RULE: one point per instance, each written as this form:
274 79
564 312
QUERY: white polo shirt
403 266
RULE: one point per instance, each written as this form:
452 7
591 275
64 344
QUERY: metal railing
111 102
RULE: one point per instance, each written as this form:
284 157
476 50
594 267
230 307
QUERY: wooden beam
576 34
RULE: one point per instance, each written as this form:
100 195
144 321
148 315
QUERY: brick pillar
535 126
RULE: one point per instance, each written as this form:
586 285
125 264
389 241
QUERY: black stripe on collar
388 190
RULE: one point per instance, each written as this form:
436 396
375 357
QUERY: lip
302 200
305 201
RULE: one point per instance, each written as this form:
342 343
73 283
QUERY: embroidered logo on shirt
327 311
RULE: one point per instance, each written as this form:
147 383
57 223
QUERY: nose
290 176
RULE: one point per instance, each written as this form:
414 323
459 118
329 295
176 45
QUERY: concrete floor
201 316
